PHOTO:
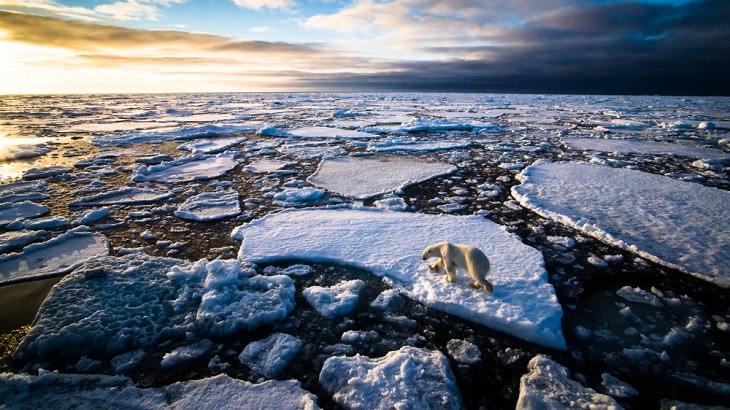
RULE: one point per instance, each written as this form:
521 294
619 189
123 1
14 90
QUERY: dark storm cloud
625 47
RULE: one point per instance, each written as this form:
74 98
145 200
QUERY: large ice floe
211 146
409 378
24 191
174 133
318 132
547 385
191 168
53 257
210 206
389 244
365 177
644 147
138 301
123 196
399 145
12 211
679 224
71 391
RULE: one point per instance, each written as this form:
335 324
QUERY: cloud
283 5
122 10
129 10
261 29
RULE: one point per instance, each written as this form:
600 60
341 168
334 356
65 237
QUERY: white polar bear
452 256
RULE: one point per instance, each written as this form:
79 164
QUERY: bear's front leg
450 273
438 265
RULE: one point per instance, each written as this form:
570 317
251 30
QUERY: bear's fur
453 256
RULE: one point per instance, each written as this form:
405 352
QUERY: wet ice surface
634 330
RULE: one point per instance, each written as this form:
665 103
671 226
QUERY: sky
679 47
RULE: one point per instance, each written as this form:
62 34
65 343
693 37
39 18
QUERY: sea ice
644 147
390 244
18 148
654 216
186 353
15 240
365 177
211 146
399 145
123 196
269 357
180 133
67 391
51 222
334 301
297 196
210 206
12 211
23 191
46 172
464 351
92 216
425 124
547 385
53 257
265 166
322 132
191 168
409 378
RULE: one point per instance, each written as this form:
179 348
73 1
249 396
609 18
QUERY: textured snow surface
679 224
269 357
156 136
409 378
644 147
334 301
211 146
195 167
138 301
73 391
322 132
18 239
364 177
53 257
265 166
210 206
408 145
390 244
11 211
547 385
23 191
123 196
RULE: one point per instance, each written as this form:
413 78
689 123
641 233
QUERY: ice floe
654 216
390 243
123 196
548 385
23 191
12 211
334 301
265 166
396 145
53 257
320 132
409 378
18 148
45 172
14 240
196 167
644 147
426 124
211 146
174 133
269 357
65 391
365 177
210 206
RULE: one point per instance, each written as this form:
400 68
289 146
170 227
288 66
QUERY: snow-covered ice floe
441 124
191 168
390 244
319 132
365 177
269 357
18 148
176 133
679 224
265 166
334 301
53 257
644 147
210 206
137 301
12 211
23 191
409 378
397 145
211 146
123 196
66 391
547 385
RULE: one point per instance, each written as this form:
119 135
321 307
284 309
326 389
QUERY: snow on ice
54 390
15 240
195 167
269 357
390 244
179 133
123 196
654 216
12 211
409 378
210 206
211 146
644 147
23 191
53 257
319 132
548 385
334 301
365 177
398 144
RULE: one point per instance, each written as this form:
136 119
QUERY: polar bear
452 256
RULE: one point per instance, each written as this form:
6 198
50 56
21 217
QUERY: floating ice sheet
17 148
9 212
177 133
53 257
211 146
409 378
390 244
679 224
23 191
365 177
210 206
15 240
334 301
417 146
644 147
269 357
265 166
322 132
195 167
65 391
123 196
547 385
